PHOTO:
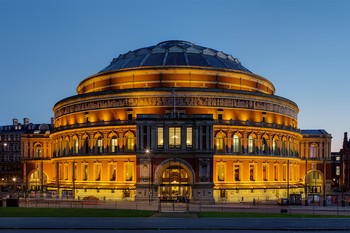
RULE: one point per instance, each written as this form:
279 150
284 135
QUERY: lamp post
148 154
14 185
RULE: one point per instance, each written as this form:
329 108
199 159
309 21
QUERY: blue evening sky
302 46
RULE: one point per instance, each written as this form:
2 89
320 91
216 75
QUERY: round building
176 121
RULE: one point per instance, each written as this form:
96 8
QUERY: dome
175 53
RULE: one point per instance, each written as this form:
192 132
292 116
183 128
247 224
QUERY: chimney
25 121
345 141
14 121
52 122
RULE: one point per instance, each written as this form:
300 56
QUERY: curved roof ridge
175 52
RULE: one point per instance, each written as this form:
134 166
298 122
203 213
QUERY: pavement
166 223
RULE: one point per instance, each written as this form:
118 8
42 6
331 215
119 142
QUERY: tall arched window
99 146
66 148
251 144
264 146
313 151
236 144
38 151
220 142
114 144
274 146
130 142
86 145
76 146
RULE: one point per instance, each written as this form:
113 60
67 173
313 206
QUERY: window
112 172
38 150
66 171
251 144
189 137
313 151
160 137
66 149
273 146
337 170
74 171
237 173
130 142
174 137
76 146
264 172
99 145
86 145
275 172
129 171
264 146
284 172
284 148
85 171
252 172
114 144
97 172
236 144
221 171
220 142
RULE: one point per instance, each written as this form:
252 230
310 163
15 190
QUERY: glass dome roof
175 53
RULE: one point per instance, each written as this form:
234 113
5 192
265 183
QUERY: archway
36 180
174 178
314 184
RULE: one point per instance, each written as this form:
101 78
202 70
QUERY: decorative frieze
220 102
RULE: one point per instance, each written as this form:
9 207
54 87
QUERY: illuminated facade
177 120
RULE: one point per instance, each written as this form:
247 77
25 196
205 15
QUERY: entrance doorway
314 184
175 183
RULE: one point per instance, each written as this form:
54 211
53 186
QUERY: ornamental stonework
219 102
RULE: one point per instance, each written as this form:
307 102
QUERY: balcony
256 124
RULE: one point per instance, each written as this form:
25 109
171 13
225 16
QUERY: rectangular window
337 170
275 172
284 172
85 172
112 172
66 171
265 172
189 137
97 172
237 173
221 171
74 171
129 171
252 172
160 137
174 137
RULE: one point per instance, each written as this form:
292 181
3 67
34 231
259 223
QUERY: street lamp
149 176
14 185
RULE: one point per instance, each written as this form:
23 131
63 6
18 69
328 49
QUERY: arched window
76 146
236 144
313 151
251 144
220 142
66 148
86 145
99 146
284 147
38 151
114 144
130 142
274 146
264 146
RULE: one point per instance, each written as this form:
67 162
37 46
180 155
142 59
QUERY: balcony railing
256 124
